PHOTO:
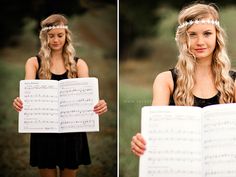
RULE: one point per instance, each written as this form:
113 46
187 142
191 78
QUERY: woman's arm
83 71
82 68
162 89
31 67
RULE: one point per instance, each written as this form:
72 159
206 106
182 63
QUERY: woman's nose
200 40
55 39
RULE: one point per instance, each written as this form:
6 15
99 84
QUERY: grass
10 73
132 99
14 147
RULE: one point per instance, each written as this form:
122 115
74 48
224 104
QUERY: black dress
65 150
200 102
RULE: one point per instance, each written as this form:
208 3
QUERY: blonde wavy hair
45 51
221 65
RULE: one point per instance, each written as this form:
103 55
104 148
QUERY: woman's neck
203 70
203 66
204 86
56 55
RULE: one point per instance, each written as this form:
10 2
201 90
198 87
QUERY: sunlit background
93 24
147 47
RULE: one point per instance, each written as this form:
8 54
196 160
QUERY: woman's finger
139 142
100 104
136 149
101 111
101 107
17 104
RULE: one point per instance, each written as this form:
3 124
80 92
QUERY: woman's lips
200 49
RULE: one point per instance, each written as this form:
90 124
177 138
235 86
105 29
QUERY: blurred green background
141 61
94 29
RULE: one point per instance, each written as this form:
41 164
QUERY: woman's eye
207 34
192 35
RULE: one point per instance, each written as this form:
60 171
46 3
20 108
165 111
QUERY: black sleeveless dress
200 102
65 150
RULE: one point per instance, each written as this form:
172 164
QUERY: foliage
132 99
139 19
14 12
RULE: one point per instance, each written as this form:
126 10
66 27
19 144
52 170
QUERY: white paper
51 106
173 138
219 142
189 141
77 99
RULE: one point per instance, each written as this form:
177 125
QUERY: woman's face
202 40
57 39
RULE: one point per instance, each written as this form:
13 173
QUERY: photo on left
64 54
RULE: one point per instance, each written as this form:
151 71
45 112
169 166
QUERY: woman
56 60
202 75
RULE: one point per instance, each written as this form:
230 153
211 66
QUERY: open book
189 141
51 106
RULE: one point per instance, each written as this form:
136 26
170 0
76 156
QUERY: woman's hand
17 104
101 107
138 144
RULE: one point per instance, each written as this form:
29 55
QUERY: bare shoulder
81 63
165 79
82 68
31 68
32 62
164 75
162 89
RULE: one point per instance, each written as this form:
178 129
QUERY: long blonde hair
45 51
221 65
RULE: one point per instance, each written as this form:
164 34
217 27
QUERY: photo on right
177 74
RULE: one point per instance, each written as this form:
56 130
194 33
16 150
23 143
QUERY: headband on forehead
191 22
54 27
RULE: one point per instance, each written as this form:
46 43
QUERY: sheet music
77 99
40 102
173 139
219 141
58 106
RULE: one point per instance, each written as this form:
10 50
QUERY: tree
138 18
13 13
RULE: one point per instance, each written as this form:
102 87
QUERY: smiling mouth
200 49
55 45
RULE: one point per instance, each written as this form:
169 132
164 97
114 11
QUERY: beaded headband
191 22
54 27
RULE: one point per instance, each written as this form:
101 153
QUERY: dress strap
39 63
39 60
174 76
76 59
232 74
